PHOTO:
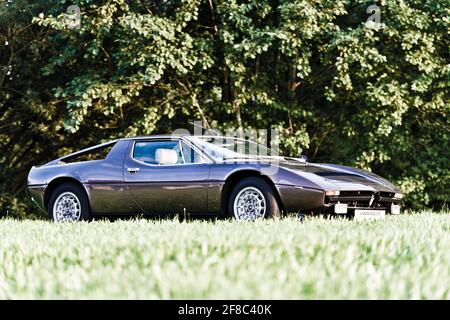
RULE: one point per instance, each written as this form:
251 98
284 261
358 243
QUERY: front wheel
69 203
252 199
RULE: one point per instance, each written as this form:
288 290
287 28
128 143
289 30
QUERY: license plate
369 214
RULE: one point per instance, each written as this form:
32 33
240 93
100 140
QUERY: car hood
338 176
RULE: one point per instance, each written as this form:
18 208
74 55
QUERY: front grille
387 194
355 194
363 199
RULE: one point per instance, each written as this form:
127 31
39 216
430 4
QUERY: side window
99 153
147 152
190 156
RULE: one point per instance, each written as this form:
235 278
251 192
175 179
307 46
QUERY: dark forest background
375 96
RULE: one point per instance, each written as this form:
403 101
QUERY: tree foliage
337 88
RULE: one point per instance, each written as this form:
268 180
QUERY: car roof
175 136
158 136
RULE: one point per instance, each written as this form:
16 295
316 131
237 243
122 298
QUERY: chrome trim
181 150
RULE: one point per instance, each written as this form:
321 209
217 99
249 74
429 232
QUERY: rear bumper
37 195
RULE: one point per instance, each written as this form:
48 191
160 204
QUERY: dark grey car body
113 187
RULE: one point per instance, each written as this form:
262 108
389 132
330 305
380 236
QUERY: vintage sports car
195 175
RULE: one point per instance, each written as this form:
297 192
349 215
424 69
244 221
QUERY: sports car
197 175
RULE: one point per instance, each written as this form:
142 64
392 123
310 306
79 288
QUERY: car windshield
232 148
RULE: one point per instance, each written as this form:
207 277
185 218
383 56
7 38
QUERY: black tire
80 194
272 206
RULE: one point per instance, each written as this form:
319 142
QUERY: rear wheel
69 203
253 199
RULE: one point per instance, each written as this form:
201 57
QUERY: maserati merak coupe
198 175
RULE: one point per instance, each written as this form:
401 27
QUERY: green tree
338 89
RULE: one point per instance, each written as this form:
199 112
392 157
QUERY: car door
176 186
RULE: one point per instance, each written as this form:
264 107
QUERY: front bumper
343 208
363 200
308 200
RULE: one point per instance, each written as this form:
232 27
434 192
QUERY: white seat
166 156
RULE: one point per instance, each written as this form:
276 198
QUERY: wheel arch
55 183
233 179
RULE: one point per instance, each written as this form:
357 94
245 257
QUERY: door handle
133 170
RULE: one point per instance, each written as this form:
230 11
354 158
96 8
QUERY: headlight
332 193
398 196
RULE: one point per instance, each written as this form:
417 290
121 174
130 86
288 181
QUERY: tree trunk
237 112
195 103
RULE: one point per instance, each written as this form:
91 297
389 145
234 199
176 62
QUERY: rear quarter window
99 153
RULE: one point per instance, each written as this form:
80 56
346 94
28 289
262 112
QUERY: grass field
402 257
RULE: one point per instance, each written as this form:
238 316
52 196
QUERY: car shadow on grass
212 218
